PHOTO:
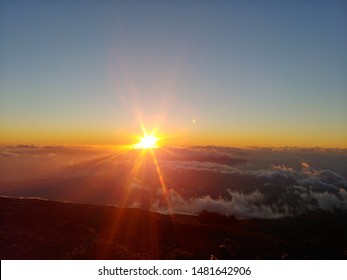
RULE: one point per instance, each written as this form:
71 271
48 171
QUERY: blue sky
247 72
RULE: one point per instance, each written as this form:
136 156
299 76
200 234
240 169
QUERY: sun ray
164 188
143 165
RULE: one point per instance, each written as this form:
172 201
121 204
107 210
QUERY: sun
148 141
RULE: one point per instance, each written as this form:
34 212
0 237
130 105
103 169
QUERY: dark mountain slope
38 229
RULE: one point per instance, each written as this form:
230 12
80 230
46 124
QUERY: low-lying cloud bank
191 180
274 193
255 204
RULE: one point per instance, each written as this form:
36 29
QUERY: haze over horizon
223 73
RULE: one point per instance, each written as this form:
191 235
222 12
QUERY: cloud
47 150
4 153
305 165
197 179
324 180
272 193
201 166
242 206
136 184
252 205
329 202
188 154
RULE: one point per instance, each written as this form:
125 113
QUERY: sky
229 73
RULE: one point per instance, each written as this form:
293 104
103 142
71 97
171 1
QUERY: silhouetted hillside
38 229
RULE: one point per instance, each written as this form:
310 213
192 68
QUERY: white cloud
262 193
242 206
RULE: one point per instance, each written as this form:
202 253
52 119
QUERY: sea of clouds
245 183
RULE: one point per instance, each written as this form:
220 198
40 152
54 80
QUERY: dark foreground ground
37 229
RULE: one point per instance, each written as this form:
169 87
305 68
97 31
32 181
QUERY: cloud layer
276 192
186 180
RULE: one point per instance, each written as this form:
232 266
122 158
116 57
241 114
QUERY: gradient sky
234 73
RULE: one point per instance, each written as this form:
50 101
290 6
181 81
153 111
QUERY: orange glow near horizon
172 136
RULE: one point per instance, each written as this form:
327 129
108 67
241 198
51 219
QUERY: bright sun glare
148 141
